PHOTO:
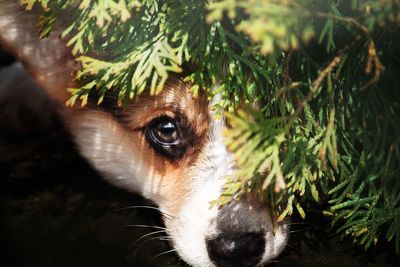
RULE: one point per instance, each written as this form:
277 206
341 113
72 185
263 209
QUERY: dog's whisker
158 238
161 238
168 215
146 235
299 223
301 230
163 253
141 207
145 226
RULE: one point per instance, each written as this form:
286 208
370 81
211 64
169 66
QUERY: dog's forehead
175 99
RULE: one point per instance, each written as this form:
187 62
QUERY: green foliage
271 24
323 72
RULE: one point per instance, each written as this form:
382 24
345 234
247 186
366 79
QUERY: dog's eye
168 137
164 132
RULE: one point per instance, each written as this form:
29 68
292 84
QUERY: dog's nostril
236 250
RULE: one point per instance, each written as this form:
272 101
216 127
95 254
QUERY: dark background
57 211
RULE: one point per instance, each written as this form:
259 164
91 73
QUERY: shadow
312 242
56 210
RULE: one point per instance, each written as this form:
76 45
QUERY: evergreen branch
321 137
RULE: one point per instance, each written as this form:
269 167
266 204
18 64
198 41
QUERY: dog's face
170 149
166 147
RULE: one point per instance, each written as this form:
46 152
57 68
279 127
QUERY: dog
166 147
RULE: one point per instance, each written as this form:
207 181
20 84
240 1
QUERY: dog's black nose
236 250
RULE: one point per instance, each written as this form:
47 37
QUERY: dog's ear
48 60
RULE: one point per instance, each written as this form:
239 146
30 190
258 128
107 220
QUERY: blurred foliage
324 75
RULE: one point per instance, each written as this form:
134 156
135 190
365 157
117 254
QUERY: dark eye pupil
166 132
166 128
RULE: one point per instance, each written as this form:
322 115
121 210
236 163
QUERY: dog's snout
236 250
